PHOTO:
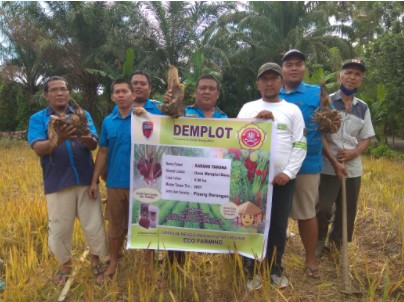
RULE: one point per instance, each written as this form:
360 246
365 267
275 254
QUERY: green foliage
197 68
128 64
92 43
382 150
386 65
14 108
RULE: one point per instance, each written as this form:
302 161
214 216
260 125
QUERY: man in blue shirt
114 152
206 93
307 98
141 83
67 170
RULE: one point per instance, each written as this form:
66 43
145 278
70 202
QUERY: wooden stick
344 248
69 281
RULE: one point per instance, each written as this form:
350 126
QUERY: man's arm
298 152
339 167
347 155
100 163
44 147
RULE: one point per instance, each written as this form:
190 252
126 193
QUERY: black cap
269 67
354 62
293 52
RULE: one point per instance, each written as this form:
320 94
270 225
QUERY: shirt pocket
353 126
111 137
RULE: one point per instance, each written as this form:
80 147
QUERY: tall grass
376 254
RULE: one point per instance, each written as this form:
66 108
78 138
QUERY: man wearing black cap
290 153
342 156
307 98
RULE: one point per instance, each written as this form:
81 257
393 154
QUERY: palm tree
263 31
272 28
24 58
174 34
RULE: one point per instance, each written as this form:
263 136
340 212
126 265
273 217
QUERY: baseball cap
269 67
294 52
354 62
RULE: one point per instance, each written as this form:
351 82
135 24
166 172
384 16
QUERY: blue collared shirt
71 163
149 105
194 111
307 98
116 136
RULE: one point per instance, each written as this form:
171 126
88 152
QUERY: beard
271 96
60 107
140 100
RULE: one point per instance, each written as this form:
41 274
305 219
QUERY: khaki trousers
63 207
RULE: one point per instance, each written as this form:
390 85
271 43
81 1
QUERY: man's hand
93 191
139 111
65 132
280 179
340 169
346 155
266 115
88 140
168 96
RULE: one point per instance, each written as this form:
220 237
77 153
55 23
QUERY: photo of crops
148 165
249 179
376 253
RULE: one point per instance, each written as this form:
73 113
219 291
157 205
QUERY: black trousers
330 193
282 198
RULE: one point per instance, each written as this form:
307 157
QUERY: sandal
98 269
61 276
313 272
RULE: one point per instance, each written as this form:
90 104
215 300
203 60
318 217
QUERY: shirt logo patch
147 128
282 126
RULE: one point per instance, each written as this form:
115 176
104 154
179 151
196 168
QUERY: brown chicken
176 107
328 119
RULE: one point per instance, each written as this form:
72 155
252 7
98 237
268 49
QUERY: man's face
122 96
269 84
58 95
206 94
293 70
351 77
142 88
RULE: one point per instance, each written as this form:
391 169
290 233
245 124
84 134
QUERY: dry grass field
376 254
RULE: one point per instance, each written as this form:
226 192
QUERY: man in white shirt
290 153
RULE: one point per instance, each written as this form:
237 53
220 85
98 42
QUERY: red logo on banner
147 128
251 137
